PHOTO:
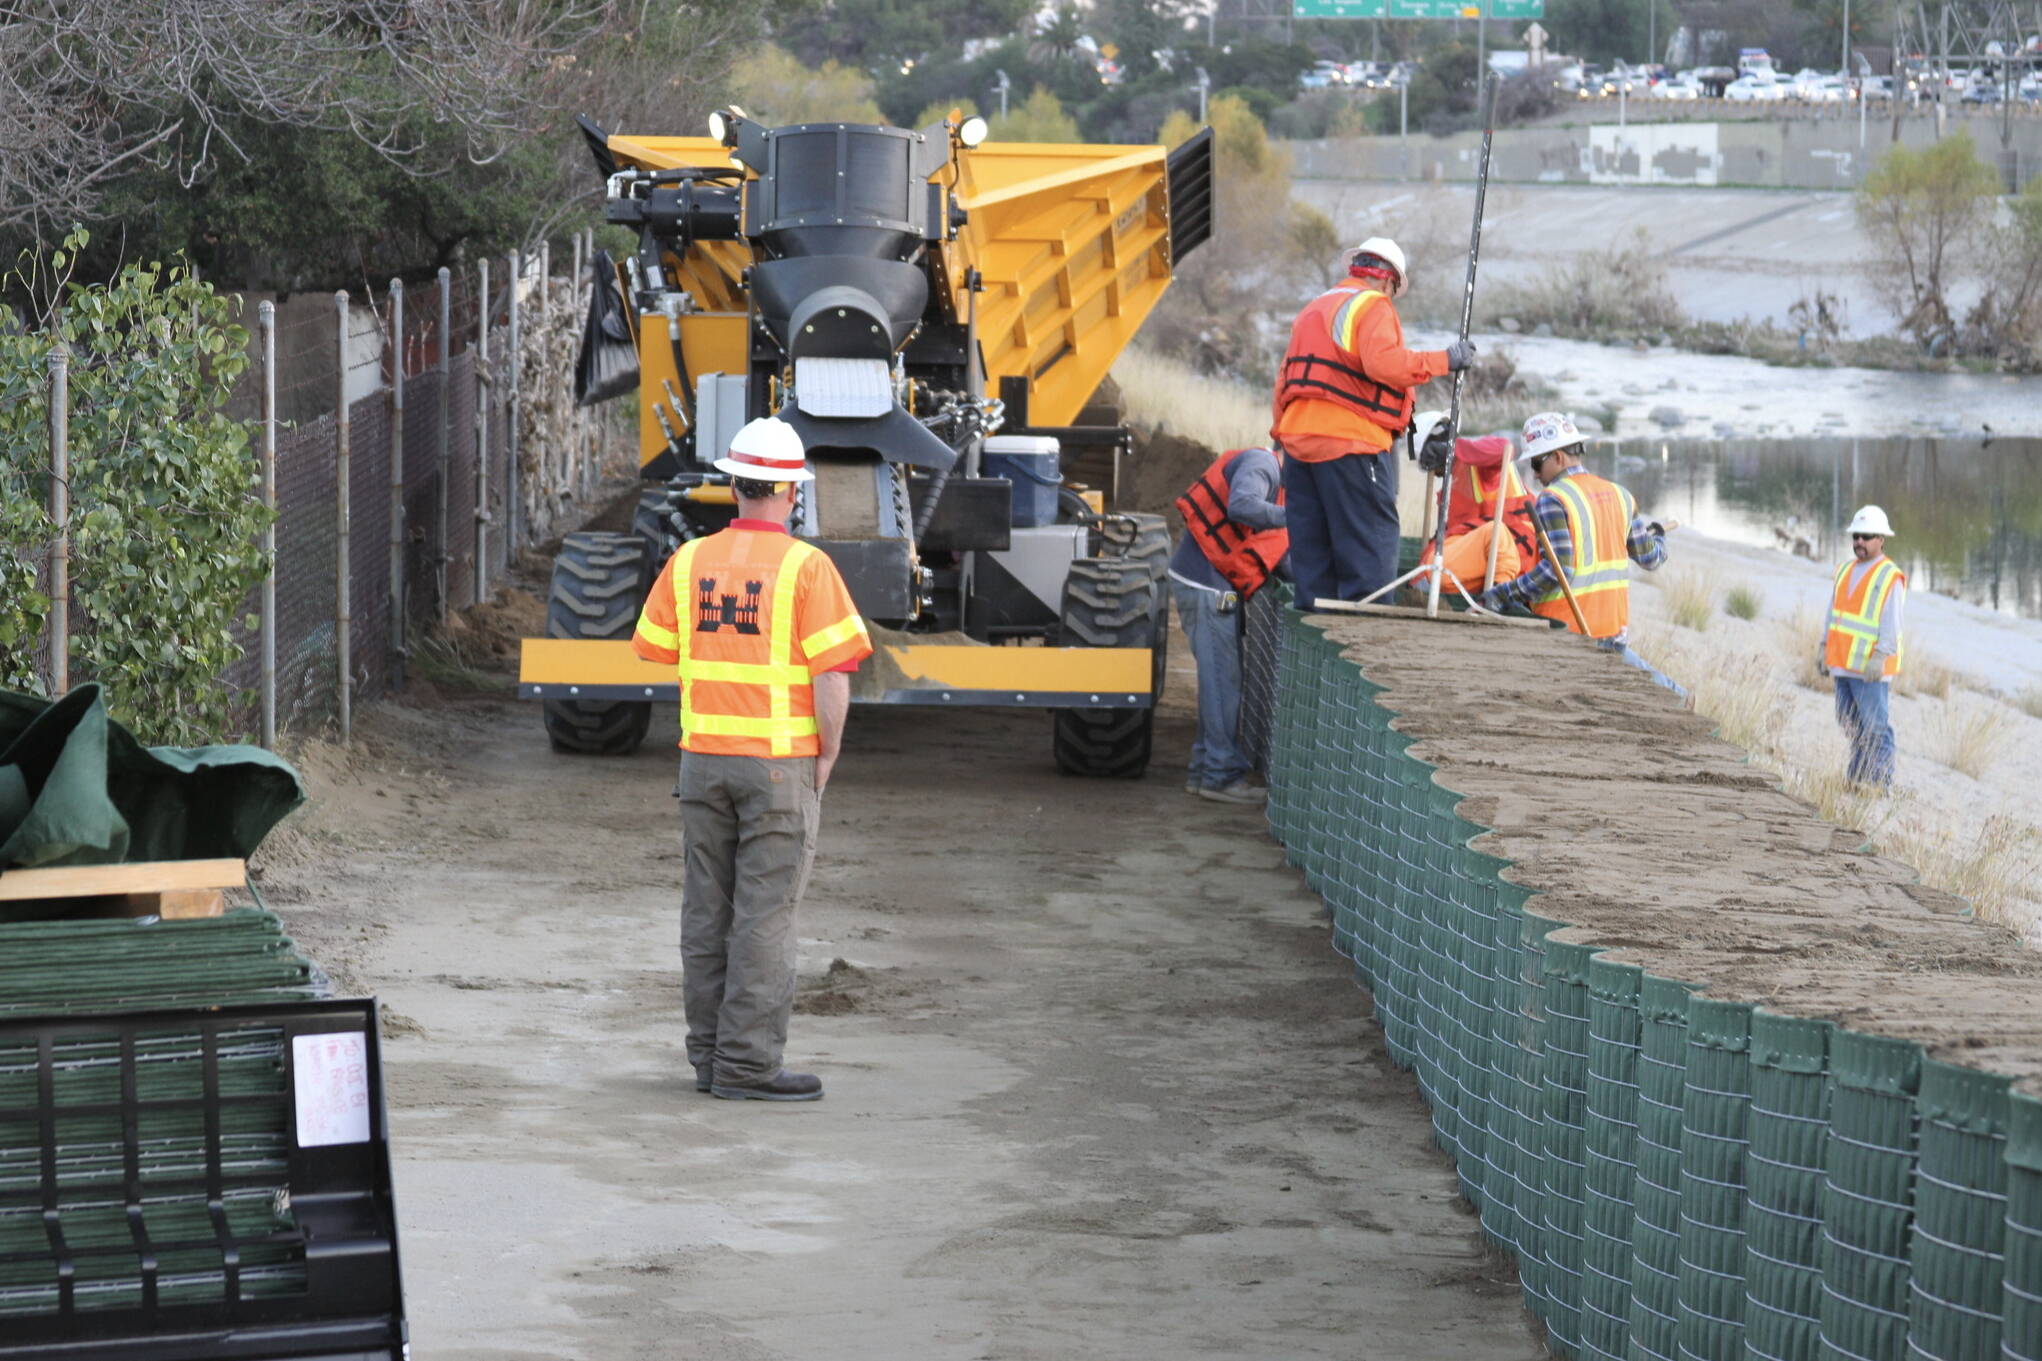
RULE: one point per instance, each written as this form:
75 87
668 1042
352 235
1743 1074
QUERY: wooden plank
145 876
1412 612
177 904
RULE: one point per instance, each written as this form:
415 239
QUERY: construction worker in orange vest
1596 534
1343 396
1481 467
1861 646
764 636
1234 542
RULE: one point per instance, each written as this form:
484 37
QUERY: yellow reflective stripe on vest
822 640
1347 318
748 673
785 727
781 732
657 636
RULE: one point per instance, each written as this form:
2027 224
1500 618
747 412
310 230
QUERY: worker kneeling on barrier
1594 533
1483 470
1234 542
764 635
1861 646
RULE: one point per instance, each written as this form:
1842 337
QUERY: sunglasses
1860 538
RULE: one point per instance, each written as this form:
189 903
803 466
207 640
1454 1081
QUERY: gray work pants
748 825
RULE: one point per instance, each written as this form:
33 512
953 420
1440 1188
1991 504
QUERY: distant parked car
1984 94
1753 90
1876 87
1314 80
1823 90
1683 86
1335 73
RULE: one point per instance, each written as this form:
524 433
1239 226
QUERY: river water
1967 513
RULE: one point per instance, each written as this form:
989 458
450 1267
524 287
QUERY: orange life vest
1316 367
1244 556
748 617
1855 614
1599 515
1470 505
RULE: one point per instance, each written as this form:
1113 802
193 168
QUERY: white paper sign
332 1088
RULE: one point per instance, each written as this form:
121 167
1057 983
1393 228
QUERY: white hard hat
1547 431
1389 252
1423 424
766 450
1871 520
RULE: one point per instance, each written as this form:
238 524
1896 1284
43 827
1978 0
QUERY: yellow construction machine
932 312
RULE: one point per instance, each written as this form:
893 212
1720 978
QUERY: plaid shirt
1647 549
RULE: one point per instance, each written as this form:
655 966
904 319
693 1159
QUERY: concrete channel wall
1725 1085
1772 154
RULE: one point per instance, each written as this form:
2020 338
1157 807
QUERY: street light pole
1846 39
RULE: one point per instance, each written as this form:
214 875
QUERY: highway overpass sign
1418 9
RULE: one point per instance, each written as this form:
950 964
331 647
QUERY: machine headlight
972 130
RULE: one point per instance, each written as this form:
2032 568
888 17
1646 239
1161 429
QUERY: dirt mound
1162 467
1646 832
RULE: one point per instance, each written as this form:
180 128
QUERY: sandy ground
1994 659
1098 1086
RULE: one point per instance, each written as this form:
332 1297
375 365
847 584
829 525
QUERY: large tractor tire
650 523
1111 602
599 586
1137 538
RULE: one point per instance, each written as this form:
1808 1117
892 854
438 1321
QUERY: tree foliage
1921 209
774 85
1038 118
164 505
879 34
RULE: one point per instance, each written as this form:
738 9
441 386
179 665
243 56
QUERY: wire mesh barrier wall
1681 1177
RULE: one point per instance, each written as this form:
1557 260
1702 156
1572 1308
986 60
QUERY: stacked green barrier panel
1474 943
1960 1212
1714 1142
1867 1198
1564 1165
1528 1094
1283 739
1655 1230
1436 1079
1378 793
1323 669
1345 739
2022 1286
72 967
1407 901
1783 1214
1609 1159
1504 1213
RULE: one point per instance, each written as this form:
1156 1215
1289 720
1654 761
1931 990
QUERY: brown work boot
782 1086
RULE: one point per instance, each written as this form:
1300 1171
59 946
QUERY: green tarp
76 788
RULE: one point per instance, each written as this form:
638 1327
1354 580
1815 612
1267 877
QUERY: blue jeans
1862 709
1630 658
1342 518
1215 639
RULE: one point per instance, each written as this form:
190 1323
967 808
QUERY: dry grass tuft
1923 675
1969 738
1744 699
1993 872
1743 601
2029 701
1160 393
1691 599
1801 638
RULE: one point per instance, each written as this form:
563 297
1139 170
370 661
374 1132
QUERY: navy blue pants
1342 517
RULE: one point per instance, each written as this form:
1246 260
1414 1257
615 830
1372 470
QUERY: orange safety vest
1599 515
1245 557
1855 614
748 617
1470 506
1316 367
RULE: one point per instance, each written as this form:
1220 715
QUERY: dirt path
1097 1085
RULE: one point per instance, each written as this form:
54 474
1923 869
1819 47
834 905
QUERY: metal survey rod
1453 419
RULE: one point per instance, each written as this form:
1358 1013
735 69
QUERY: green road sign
1418 9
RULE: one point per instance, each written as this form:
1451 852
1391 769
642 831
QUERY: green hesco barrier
1714 1140
2022 1288
1960 1208
1868 1197
1610 1159
1680 1177
1783 1214
1655 1227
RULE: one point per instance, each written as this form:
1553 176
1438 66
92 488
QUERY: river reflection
1967 514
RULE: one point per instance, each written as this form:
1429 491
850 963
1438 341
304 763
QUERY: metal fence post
440 546
555 488
482 436
397 621
514 512
266 319
342 522
577 472
590 473
60 520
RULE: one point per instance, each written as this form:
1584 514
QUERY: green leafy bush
164 493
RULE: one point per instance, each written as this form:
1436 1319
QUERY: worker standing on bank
763 634
1343 396
1596 534
1861 646
1234 541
